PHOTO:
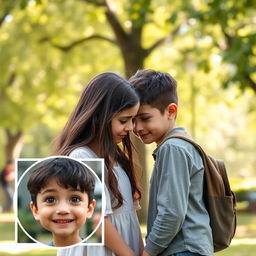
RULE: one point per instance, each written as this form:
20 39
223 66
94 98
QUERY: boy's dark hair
68 172
155 88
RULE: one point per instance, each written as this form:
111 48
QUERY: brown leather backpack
220 201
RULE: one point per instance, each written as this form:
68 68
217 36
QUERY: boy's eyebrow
142 113
50 190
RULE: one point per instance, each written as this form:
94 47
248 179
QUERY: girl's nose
129 126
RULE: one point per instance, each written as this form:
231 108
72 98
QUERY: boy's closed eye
145 118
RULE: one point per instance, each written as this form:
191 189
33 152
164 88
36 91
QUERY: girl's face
122 123
62 211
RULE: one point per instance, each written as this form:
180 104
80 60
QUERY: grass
7 231
37 252
243 244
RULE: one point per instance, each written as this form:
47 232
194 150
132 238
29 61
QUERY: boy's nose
137 127
62 209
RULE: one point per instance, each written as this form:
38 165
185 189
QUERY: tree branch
2 18
97 2
229 39
117 28
162 40
251 82
70 46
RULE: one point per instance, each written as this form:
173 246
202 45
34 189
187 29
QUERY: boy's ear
34 210
91 209
172 110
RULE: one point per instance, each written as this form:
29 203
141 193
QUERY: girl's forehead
128 112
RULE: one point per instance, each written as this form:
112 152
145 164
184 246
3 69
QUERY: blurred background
50 49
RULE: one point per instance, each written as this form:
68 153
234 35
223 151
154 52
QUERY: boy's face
62 211
122 123
151 125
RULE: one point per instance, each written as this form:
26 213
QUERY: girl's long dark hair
105 95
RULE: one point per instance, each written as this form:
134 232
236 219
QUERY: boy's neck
60 241
168 131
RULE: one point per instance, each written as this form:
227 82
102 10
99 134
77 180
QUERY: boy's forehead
146 109
54 182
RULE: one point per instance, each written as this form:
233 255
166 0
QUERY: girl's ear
172 110
34 210
90 209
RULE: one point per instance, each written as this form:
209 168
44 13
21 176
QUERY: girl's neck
95 147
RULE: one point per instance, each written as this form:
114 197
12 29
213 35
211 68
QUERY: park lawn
238 250
37 252
246 230
7 231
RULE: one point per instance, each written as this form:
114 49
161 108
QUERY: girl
101 120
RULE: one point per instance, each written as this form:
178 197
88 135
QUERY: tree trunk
13 145
133 62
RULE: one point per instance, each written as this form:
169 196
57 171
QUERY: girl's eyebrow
125 116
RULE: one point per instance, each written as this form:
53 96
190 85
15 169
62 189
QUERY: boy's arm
173 183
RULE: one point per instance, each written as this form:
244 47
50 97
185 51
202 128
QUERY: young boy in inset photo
178 222
62 192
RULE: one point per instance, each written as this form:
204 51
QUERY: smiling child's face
62 211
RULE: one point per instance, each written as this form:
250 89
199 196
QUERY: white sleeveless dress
124 218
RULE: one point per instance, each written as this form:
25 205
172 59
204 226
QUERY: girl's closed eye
123 121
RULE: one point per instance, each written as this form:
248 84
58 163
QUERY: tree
130 43
135 28
230 26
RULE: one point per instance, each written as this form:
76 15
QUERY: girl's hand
115 242
145 253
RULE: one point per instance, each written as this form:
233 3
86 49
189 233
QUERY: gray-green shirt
177 217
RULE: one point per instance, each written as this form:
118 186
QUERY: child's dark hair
68 173
155 88
104 96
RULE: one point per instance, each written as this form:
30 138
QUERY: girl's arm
114 241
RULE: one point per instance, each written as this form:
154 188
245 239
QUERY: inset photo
59 201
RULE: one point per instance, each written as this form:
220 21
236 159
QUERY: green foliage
231 27
42 75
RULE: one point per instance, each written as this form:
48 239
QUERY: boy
62 193
178 222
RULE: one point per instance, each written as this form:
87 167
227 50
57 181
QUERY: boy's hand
145 253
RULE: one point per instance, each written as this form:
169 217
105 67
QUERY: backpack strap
210 168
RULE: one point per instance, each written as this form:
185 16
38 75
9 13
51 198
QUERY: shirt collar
174 130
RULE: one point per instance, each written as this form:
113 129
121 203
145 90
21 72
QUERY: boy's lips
143 136
62 221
